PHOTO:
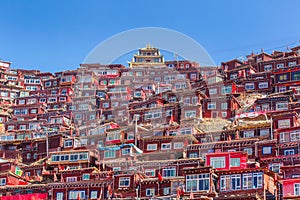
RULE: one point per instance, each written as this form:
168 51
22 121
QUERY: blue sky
56 35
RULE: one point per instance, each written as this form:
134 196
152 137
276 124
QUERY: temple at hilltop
147 56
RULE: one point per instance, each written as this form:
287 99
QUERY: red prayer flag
159 176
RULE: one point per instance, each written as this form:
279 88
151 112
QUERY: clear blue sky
56 34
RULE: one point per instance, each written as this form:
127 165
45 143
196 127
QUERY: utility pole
47 144
135 129
271 129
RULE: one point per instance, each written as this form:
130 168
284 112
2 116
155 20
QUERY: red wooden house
222 106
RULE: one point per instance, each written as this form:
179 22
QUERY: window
86 177
92 116
224 106
292 63
264 132
213 91
10 128
74 157
138 93
225 183
62 99
33 111
235 162
297 189
193 76
190 113
285 123
281 106
150 172
64 157
248 150
64 91
126 151
178 145
265 107
53 92
166 146
74 195
257 180
249 86
185 131
68 143
263 85
224 114
169 113
115 169
217 162
59 196
296 75
113 136
22 127
47 84
169 172
171 66
105 105
295 135
267 150
275 167
31 101
193 155
94 194
167 190
247 181
2 181
72 179
151 147
283 136
172 99
21 102
124 182
110 154
280 65
28 155
78 116
236 182
197 182
233 76
282 77
194 100
150 192
152 115
226 90
289 152
211 106
249 133
52 99
186 101
268 67
55 158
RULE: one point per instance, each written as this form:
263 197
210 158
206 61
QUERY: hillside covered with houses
154 129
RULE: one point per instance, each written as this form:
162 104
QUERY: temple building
148 56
